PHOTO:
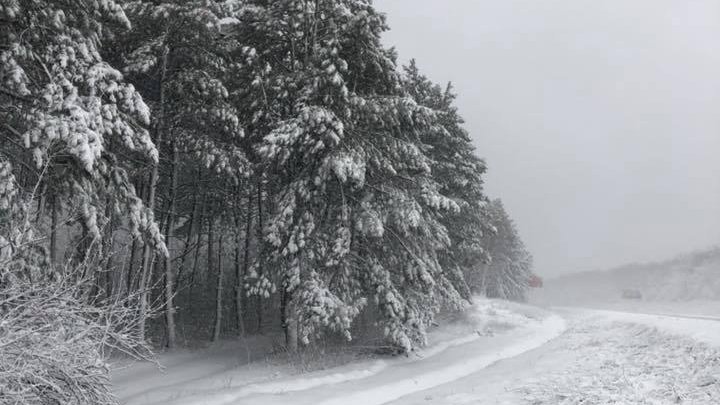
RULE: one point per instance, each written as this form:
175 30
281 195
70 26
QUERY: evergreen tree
459 172
279 141
72 129
509 273
178 54
69 120
356 213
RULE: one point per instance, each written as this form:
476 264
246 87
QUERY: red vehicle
535 281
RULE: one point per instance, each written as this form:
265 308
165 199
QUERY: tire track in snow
549 329
295 383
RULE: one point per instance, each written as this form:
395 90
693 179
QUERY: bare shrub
55 339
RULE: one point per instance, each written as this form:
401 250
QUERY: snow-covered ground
603 358
489 331
499 353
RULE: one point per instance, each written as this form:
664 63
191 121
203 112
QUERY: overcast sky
599 120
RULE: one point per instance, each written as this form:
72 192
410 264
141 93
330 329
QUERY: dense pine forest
175 171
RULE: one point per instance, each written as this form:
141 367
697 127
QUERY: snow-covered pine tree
282 127
72 129
180 57
69 121
508 274
296 94
356 210
459 173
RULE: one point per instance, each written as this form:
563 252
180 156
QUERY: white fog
598 119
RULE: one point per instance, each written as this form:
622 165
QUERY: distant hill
691 276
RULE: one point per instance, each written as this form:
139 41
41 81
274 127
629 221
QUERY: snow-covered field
489 331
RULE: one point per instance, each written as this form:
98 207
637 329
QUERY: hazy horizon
598 120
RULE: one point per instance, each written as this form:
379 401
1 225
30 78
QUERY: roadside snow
603 358
489 331
630 364
457 367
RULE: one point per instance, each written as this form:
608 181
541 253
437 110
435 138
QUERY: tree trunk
291 336
288 321
188 238
169 273
198 242
54 229
147 259
258 299
283 312
209 270
240 274
107 244
218 292
83 247
483 282
131 265
131 275
42 201
152 189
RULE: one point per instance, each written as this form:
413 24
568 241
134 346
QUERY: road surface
603 357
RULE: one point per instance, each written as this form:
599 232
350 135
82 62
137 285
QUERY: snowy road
604 357
573 356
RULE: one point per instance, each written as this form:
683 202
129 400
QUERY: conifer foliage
509 272
69 119
163 150
71 129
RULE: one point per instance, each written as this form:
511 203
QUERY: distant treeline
690 276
